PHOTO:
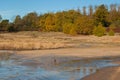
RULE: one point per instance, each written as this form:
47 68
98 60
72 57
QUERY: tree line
70 22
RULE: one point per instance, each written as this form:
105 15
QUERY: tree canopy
69 21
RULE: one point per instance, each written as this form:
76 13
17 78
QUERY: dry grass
30 40
50 40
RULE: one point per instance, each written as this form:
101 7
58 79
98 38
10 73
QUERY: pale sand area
73 52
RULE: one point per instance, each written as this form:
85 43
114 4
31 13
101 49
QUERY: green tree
30 21
4 25
99 30
18 24
11 28
101 15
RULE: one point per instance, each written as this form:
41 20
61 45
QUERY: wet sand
111 73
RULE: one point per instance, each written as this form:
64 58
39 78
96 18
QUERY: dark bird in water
55 61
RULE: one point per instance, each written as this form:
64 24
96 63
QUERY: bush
73 31
111 33
67 27
70 28
99 30
11 29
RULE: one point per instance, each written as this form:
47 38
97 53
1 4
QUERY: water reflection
70 70
4 58
81 68
80 72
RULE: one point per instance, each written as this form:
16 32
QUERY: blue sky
10 8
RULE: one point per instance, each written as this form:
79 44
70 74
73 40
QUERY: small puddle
67 70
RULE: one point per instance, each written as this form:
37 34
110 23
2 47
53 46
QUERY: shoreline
108 73
66 54
78 52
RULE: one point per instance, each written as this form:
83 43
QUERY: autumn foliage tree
71 21
84 25
50 22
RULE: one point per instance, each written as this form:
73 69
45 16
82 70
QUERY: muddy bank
110 73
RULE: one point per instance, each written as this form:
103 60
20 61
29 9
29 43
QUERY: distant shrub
11 29
70 28
73 31
66 28
99 30
111 32
34 35
112 26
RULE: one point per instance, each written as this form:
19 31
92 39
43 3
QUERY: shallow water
68 70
